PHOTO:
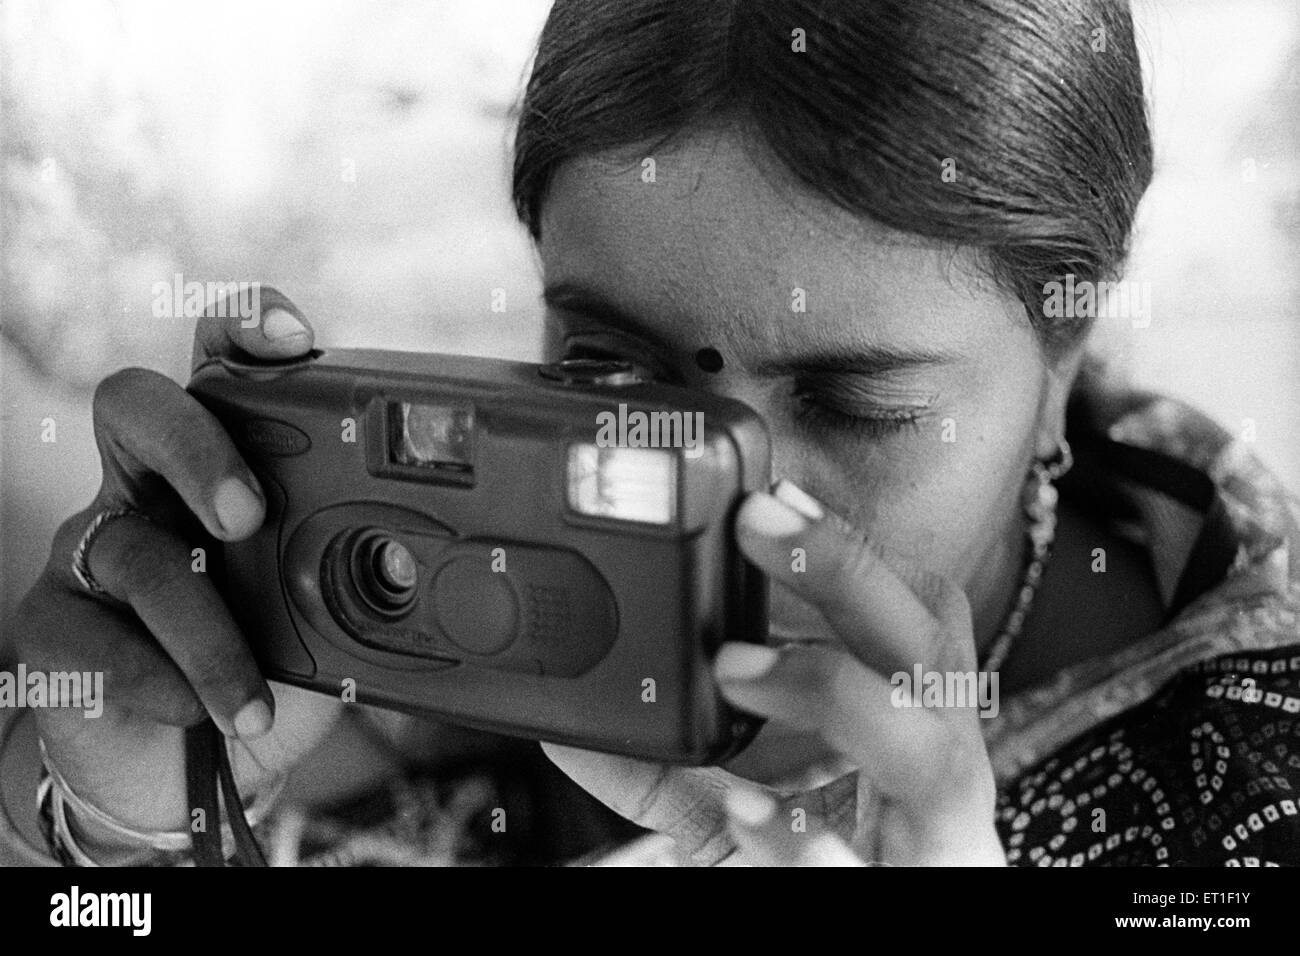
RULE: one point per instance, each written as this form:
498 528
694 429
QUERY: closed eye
823 410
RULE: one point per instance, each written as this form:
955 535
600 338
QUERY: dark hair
1038 103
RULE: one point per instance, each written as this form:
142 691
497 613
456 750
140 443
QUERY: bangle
62 842
58 831
161 847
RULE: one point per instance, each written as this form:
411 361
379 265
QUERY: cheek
944 495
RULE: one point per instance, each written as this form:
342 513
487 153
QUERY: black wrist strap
248 852
207 767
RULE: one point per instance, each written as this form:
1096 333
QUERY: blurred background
354 153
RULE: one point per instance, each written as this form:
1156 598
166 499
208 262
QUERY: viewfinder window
437 437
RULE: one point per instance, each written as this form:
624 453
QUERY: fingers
933 767
260 321
765 837
147 425
686 803
876 701
150 569
150 431
650 850
872 606
850 706
65 631
302 717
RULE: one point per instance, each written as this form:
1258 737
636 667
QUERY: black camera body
545 551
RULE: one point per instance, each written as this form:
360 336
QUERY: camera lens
385 573
395 565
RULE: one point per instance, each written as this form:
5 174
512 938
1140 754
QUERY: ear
1057 385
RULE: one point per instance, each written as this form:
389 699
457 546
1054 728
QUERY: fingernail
253 720
799 500
238 509
772 518
750 807
744 661
277 324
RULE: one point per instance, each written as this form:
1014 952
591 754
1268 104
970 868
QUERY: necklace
1040 507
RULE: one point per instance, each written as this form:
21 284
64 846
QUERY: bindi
709 359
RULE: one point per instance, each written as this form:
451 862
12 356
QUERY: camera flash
630 484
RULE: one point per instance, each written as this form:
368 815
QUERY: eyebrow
579 299
826 360
855 360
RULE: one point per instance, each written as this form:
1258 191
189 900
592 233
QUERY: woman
851 218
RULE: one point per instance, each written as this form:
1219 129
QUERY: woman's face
906 394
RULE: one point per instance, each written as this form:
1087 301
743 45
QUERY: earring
1040 495
1061 462
1039 501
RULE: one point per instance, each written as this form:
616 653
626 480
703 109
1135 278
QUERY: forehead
722 236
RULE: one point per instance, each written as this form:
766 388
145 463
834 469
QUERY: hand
924 791
165 642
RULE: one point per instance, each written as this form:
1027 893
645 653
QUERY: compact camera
544 551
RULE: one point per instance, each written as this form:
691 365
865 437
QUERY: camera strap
207 767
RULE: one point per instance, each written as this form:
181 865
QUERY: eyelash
811 413
588 350
815 414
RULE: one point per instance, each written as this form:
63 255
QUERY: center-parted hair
1033 107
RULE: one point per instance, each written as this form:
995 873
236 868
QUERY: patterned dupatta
1222 535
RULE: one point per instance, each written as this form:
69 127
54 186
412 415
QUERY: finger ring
81 554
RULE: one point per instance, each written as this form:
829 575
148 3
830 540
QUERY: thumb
255 319
686 803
